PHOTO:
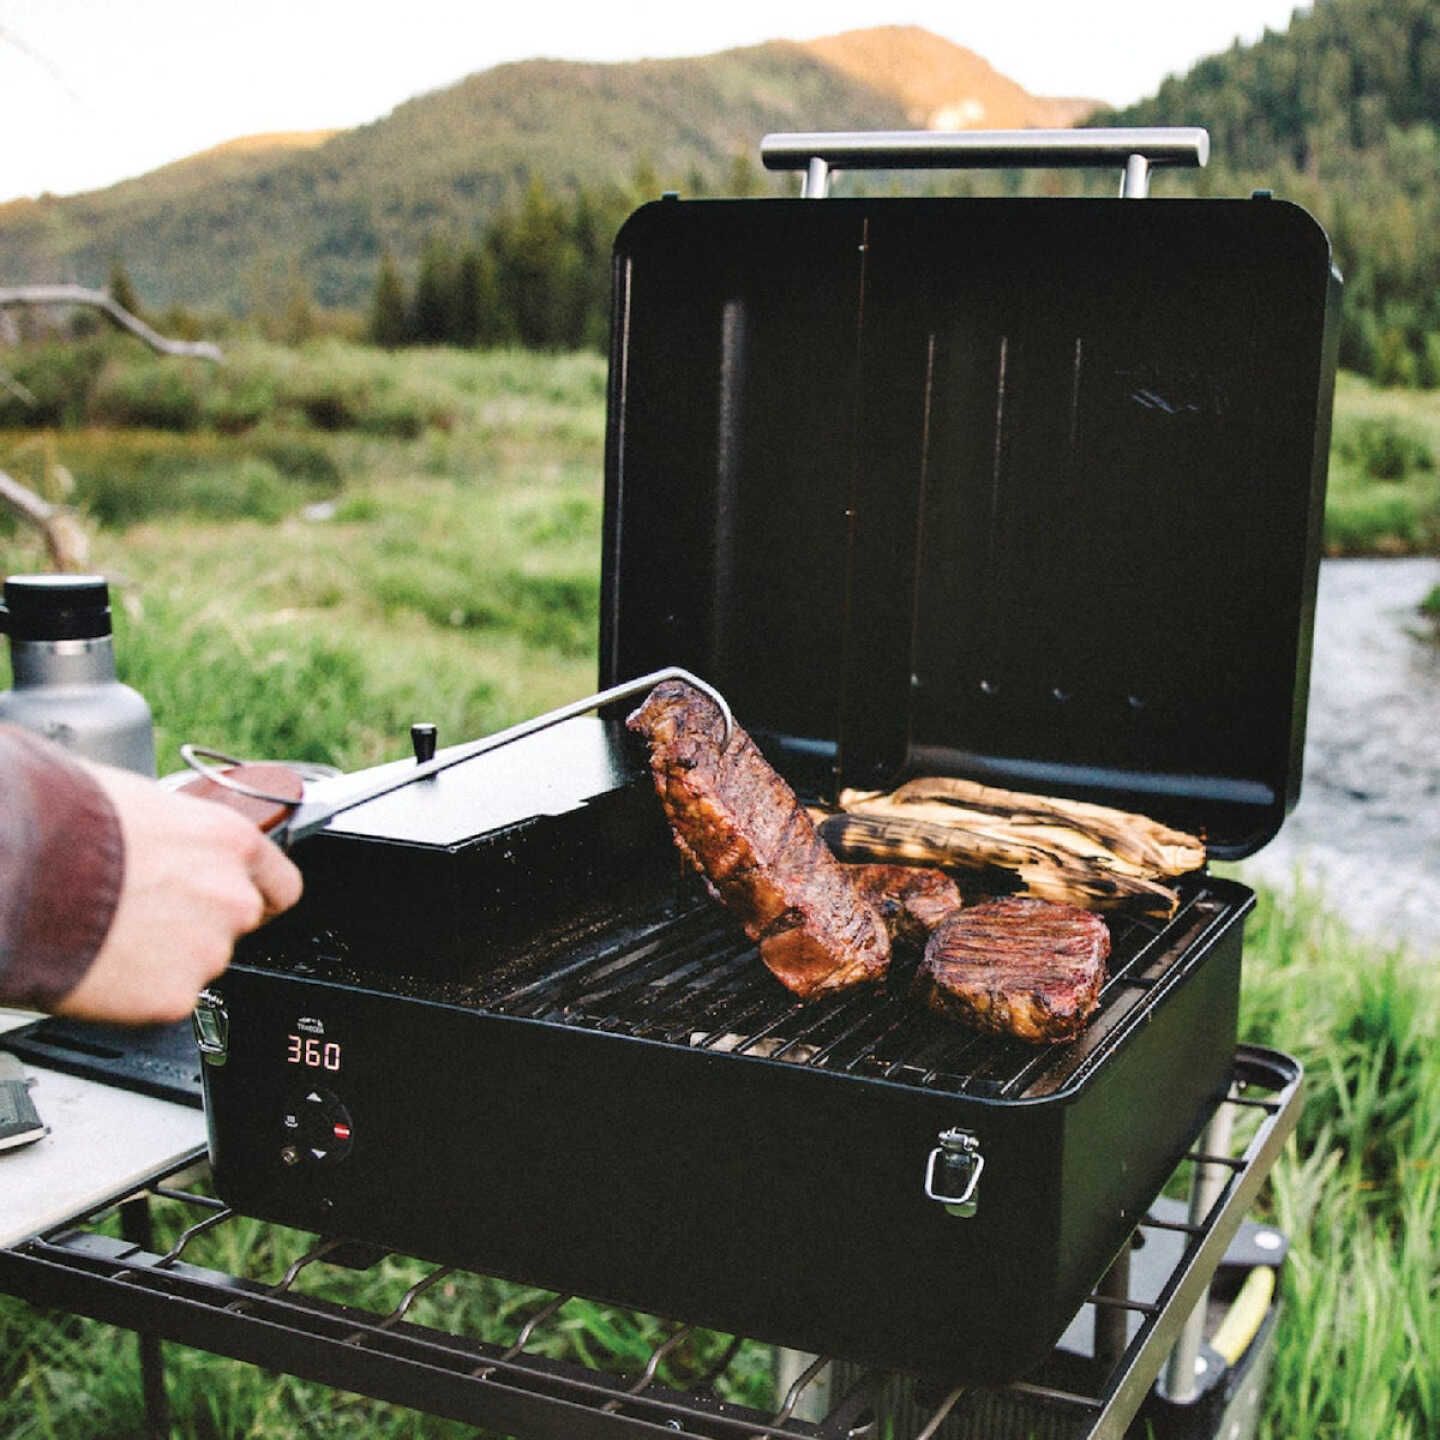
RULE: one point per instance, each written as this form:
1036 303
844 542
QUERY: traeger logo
310 1026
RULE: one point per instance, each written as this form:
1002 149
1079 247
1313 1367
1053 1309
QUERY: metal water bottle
62 660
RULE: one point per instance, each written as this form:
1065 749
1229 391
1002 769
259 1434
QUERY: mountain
224 228
943 86
232 161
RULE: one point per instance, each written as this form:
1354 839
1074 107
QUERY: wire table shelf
283 1324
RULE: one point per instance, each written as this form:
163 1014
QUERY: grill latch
953 1172
212 1028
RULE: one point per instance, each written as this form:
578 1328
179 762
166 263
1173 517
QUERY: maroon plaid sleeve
61 862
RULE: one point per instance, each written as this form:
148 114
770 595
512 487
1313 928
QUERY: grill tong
273 794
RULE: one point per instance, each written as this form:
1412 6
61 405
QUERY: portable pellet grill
1021 490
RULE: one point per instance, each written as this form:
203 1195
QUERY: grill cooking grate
687 976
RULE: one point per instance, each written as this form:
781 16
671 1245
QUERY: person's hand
197 877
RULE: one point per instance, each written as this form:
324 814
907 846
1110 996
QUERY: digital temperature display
312 1052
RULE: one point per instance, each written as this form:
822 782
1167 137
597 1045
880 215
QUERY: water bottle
62 659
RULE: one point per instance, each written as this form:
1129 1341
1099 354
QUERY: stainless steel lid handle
816 183
819 153
1135 183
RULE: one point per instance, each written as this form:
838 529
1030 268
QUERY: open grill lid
1025 490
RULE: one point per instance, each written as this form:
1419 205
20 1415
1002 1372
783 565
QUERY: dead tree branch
65 540
104 301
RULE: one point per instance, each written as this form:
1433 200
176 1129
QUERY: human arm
118 899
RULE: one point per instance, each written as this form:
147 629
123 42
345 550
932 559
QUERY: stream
1366 833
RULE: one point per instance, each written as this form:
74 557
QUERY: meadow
1383 496
312 548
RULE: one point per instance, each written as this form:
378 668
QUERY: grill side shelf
276 1324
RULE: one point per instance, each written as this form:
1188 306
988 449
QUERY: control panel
315 1128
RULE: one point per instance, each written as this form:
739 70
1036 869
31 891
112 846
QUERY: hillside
942 86
1345 77
1340 112
217 229
233 160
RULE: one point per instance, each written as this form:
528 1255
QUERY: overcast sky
92 91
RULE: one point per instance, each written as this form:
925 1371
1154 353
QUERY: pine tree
389 318
743 178
497 319
537 268
469 298
645 182
589 309
435 293
122 292
298 322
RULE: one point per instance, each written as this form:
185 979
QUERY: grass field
1384 490
344 542
309 592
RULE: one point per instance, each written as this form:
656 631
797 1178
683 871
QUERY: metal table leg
1112 1332
1206 1185
136 1228
803 1380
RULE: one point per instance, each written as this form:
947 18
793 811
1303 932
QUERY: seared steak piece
911 899
1017 966
742 828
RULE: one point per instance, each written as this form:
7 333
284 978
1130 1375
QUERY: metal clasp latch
212 1028
953 1172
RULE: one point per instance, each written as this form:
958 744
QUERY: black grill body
595 1086
1022 491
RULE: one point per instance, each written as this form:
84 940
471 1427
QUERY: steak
741 826
911 899
1017 966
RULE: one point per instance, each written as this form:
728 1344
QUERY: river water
1366 833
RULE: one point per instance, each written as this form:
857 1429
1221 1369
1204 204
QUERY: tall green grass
66 1379
1384 490
327 385
323 640
455 579
1359 1190
257 436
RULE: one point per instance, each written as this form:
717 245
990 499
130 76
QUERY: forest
1341 113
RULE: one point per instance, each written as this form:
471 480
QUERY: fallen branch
104 301
65 539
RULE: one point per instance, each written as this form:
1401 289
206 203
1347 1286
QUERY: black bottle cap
56 607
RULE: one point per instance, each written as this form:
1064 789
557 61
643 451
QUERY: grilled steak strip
1018 967
911 899
742 828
